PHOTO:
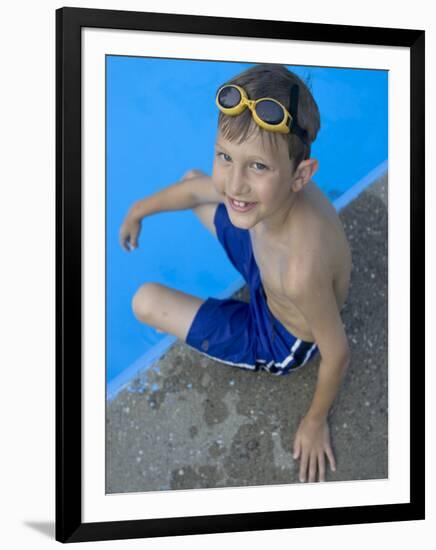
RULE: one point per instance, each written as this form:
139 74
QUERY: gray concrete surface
193 422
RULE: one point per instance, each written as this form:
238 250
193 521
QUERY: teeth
240 203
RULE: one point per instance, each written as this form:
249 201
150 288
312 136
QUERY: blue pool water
161 121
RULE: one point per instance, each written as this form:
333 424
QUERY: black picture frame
69 524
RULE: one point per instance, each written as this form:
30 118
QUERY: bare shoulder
317 242
320 260
308 271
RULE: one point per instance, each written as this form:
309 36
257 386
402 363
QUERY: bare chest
274 262
272 266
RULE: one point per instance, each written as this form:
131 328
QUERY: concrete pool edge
144 362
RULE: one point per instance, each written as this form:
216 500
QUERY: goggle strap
293 109
293 102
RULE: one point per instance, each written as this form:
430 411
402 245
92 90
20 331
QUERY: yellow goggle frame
283 127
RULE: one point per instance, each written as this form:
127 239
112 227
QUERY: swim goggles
267 112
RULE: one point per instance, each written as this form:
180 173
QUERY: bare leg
165 309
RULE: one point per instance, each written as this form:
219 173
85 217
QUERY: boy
282 234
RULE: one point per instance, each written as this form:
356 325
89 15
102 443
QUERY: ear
303 173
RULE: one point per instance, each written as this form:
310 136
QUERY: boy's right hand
129 232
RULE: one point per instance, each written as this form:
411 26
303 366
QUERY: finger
312 467
297 447
303 465
135 237
331 457
122 237
321 467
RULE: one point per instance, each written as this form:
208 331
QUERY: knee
144 302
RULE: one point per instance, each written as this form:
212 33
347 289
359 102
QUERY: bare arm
182 195
194 191
328 330
315 298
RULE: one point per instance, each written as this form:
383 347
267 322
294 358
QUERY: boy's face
254 177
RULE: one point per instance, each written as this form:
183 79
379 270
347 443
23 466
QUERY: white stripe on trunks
282 365
306 357
289 357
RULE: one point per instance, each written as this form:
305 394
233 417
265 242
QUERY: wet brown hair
275 81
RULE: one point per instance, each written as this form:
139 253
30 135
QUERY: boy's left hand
312 440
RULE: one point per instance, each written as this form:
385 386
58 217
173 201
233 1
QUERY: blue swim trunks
244 334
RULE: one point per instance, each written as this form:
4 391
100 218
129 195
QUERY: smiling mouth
241 206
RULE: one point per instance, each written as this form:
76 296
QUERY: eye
258 166
224 156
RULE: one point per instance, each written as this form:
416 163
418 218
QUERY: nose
237 185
